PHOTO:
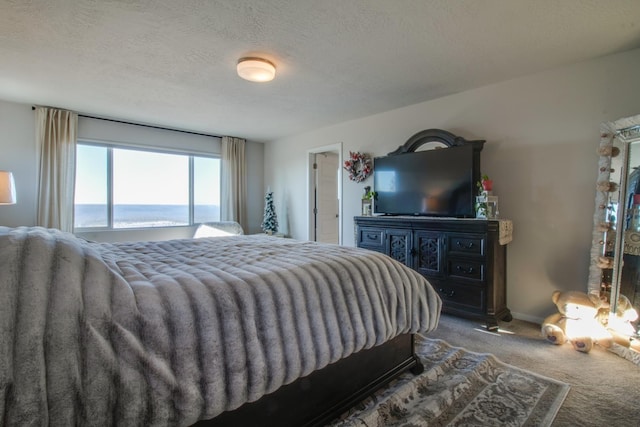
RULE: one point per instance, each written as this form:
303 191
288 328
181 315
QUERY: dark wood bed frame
325 394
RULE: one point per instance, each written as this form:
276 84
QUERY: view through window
128 188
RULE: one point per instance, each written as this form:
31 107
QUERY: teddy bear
576 321
621 324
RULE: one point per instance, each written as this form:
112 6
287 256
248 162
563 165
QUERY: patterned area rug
460 388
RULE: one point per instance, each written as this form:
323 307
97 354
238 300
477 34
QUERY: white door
326 198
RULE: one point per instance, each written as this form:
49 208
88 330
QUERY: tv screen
438 182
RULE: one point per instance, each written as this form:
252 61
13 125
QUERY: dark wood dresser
462 258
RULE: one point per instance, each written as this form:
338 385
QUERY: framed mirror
614 273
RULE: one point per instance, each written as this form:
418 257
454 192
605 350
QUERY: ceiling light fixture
256 69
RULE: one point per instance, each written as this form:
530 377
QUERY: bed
237 330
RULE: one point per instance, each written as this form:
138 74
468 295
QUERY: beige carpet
460 388
605 388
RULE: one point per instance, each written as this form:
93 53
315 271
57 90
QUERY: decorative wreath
358 165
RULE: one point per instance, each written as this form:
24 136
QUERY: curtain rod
143 125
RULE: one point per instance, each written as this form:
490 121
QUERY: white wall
18 154
541 131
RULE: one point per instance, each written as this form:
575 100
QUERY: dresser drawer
467 244
466 269
372 238
460 297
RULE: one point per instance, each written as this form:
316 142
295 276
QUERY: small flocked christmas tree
270 220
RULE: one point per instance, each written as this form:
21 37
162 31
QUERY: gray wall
18 155
541 131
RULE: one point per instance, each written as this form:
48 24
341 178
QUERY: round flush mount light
256 69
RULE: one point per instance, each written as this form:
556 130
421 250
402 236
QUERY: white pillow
208 231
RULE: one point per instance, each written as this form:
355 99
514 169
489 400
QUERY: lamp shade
7 188
256 69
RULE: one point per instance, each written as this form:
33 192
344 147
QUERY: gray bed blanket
167 333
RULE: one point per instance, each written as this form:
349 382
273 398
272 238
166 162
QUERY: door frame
334 148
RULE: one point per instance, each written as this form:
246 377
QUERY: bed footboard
323 395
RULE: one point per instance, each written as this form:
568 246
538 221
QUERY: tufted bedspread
167 333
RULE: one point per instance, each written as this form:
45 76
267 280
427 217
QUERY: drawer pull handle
372 236
449 294
463 246
461 269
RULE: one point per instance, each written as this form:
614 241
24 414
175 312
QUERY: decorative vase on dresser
464 259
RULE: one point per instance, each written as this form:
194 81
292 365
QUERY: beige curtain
56 132
234 181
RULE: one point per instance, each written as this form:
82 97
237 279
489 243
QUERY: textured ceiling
172 62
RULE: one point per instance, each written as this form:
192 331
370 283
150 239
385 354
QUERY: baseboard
527 318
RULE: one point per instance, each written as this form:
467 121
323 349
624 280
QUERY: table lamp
7 188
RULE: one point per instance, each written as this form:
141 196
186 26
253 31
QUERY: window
130 188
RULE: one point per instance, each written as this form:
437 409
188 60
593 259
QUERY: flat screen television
437 182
